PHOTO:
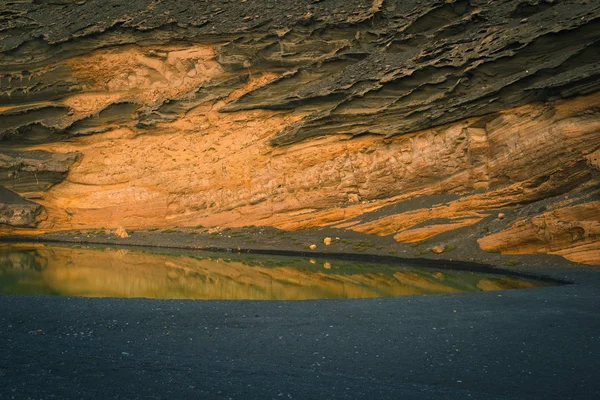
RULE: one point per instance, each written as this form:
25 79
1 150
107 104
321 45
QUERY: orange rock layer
572 232
210 168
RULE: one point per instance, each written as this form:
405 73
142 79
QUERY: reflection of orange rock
422 284
503 283
86 272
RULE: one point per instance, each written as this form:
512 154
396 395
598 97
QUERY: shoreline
522 271
481 345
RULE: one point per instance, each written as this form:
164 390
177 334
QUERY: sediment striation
383 117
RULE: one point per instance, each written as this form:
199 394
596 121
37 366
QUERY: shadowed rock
15 210
384 67
33 171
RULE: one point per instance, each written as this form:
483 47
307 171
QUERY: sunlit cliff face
332 114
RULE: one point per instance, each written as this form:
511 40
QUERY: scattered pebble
121 232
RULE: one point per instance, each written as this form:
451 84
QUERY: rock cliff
395 118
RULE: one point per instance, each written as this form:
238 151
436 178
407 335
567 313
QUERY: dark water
118 272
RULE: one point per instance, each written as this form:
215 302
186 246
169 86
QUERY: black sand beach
519 344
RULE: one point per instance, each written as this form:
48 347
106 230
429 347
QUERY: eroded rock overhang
299 114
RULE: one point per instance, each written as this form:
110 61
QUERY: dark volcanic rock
16 211
33 171
355 66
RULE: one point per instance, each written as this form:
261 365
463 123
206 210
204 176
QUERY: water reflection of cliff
124 273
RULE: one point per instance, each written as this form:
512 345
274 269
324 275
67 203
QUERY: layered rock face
384 117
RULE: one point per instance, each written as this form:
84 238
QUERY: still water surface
117 272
